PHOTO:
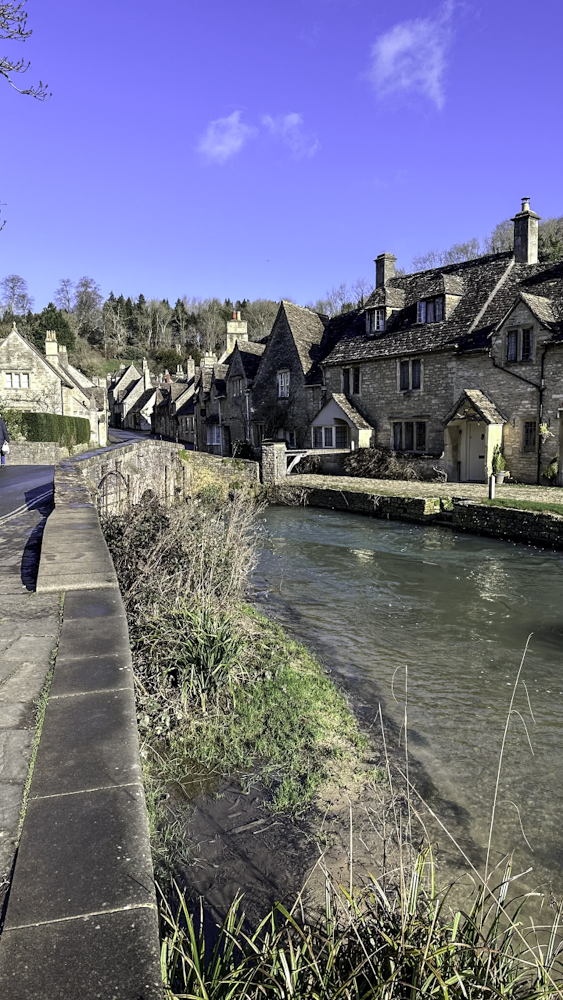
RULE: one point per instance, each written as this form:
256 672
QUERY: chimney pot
234 314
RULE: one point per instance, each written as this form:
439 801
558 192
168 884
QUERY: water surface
378 596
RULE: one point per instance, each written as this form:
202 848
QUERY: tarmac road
23 484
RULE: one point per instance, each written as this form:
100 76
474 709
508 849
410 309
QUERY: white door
476 451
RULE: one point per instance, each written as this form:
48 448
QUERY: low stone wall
529 526
421 509
41 452
122 474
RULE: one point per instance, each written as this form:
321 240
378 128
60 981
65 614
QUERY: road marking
25 507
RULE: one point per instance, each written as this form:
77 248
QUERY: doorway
476 443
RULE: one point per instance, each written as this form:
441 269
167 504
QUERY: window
430 310
527 345
341 436
520 345
375 320
409 435
236 384
16 380
283 385
530 435
290 438
351 381
213 434
330 437
410 375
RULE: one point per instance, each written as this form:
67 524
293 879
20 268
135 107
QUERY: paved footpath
29 626
404 488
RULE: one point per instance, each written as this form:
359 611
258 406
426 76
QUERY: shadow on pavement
32 550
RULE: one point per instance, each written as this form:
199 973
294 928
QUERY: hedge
66 431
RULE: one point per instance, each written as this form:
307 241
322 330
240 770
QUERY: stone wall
126 473
532 527
41 453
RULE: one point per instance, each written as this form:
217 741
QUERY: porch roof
478 402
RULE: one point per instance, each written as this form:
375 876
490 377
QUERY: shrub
379 463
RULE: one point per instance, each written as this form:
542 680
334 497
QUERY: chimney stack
384 269
526 235
190 368
63 356
237 329
51 346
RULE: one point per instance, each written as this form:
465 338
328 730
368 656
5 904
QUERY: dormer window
431 310
375 320
520 345
283 385
236 384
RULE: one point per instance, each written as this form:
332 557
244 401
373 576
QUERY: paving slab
91 673
82 853
88 741
86 637
109 956
100 604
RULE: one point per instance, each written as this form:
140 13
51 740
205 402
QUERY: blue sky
264 149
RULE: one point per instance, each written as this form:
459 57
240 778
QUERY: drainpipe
220 430
540 389
247 394
540 410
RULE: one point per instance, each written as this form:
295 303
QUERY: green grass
538 505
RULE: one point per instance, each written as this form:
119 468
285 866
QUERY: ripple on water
375 596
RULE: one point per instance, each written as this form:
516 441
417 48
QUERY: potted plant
552 470
498 464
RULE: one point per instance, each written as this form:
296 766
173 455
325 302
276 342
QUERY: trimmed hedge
53 427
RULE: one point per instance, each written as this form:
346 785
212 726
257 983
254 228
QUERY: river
375 597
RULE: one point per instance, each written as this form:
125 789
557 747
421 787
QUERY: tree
15 297
88 301
64 295
50 318
13 27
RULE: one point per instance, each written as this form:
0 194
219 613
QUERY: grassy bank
221 690
535 505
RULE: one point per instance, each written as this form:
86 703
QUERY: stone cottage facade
455 360
48 383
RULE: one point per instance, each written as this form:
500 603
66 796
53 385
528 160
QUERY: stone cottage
48 383
132 396
455 360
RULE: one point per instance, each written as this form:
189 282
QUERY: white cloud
225 137
411 56
289 129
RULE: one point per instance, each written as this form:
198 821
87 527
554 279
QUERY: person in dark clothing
4 438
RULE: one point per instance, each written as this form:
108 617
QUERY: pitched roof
142 401
490 286
351 412
250 354
307 329
476 401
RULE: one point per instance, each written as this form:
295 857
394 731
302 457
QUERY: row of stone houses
441 365
48 383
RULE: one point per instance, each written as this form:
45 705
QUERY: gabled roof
250 354
60 373
144 399
490 286
351 412
475 401
307 329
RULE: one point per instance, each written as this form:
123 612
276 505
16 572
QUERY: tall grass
377 942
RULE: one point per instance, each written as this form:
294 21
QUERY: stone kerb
42 452
81 918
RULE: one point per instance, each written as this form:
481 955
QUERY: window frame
435 306
213 435
405 366
352 377
283 378
529 447
322 431
517 336
409 430
236 385
20 376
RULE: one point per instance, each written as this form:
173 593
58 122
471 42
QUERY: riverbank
527 514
